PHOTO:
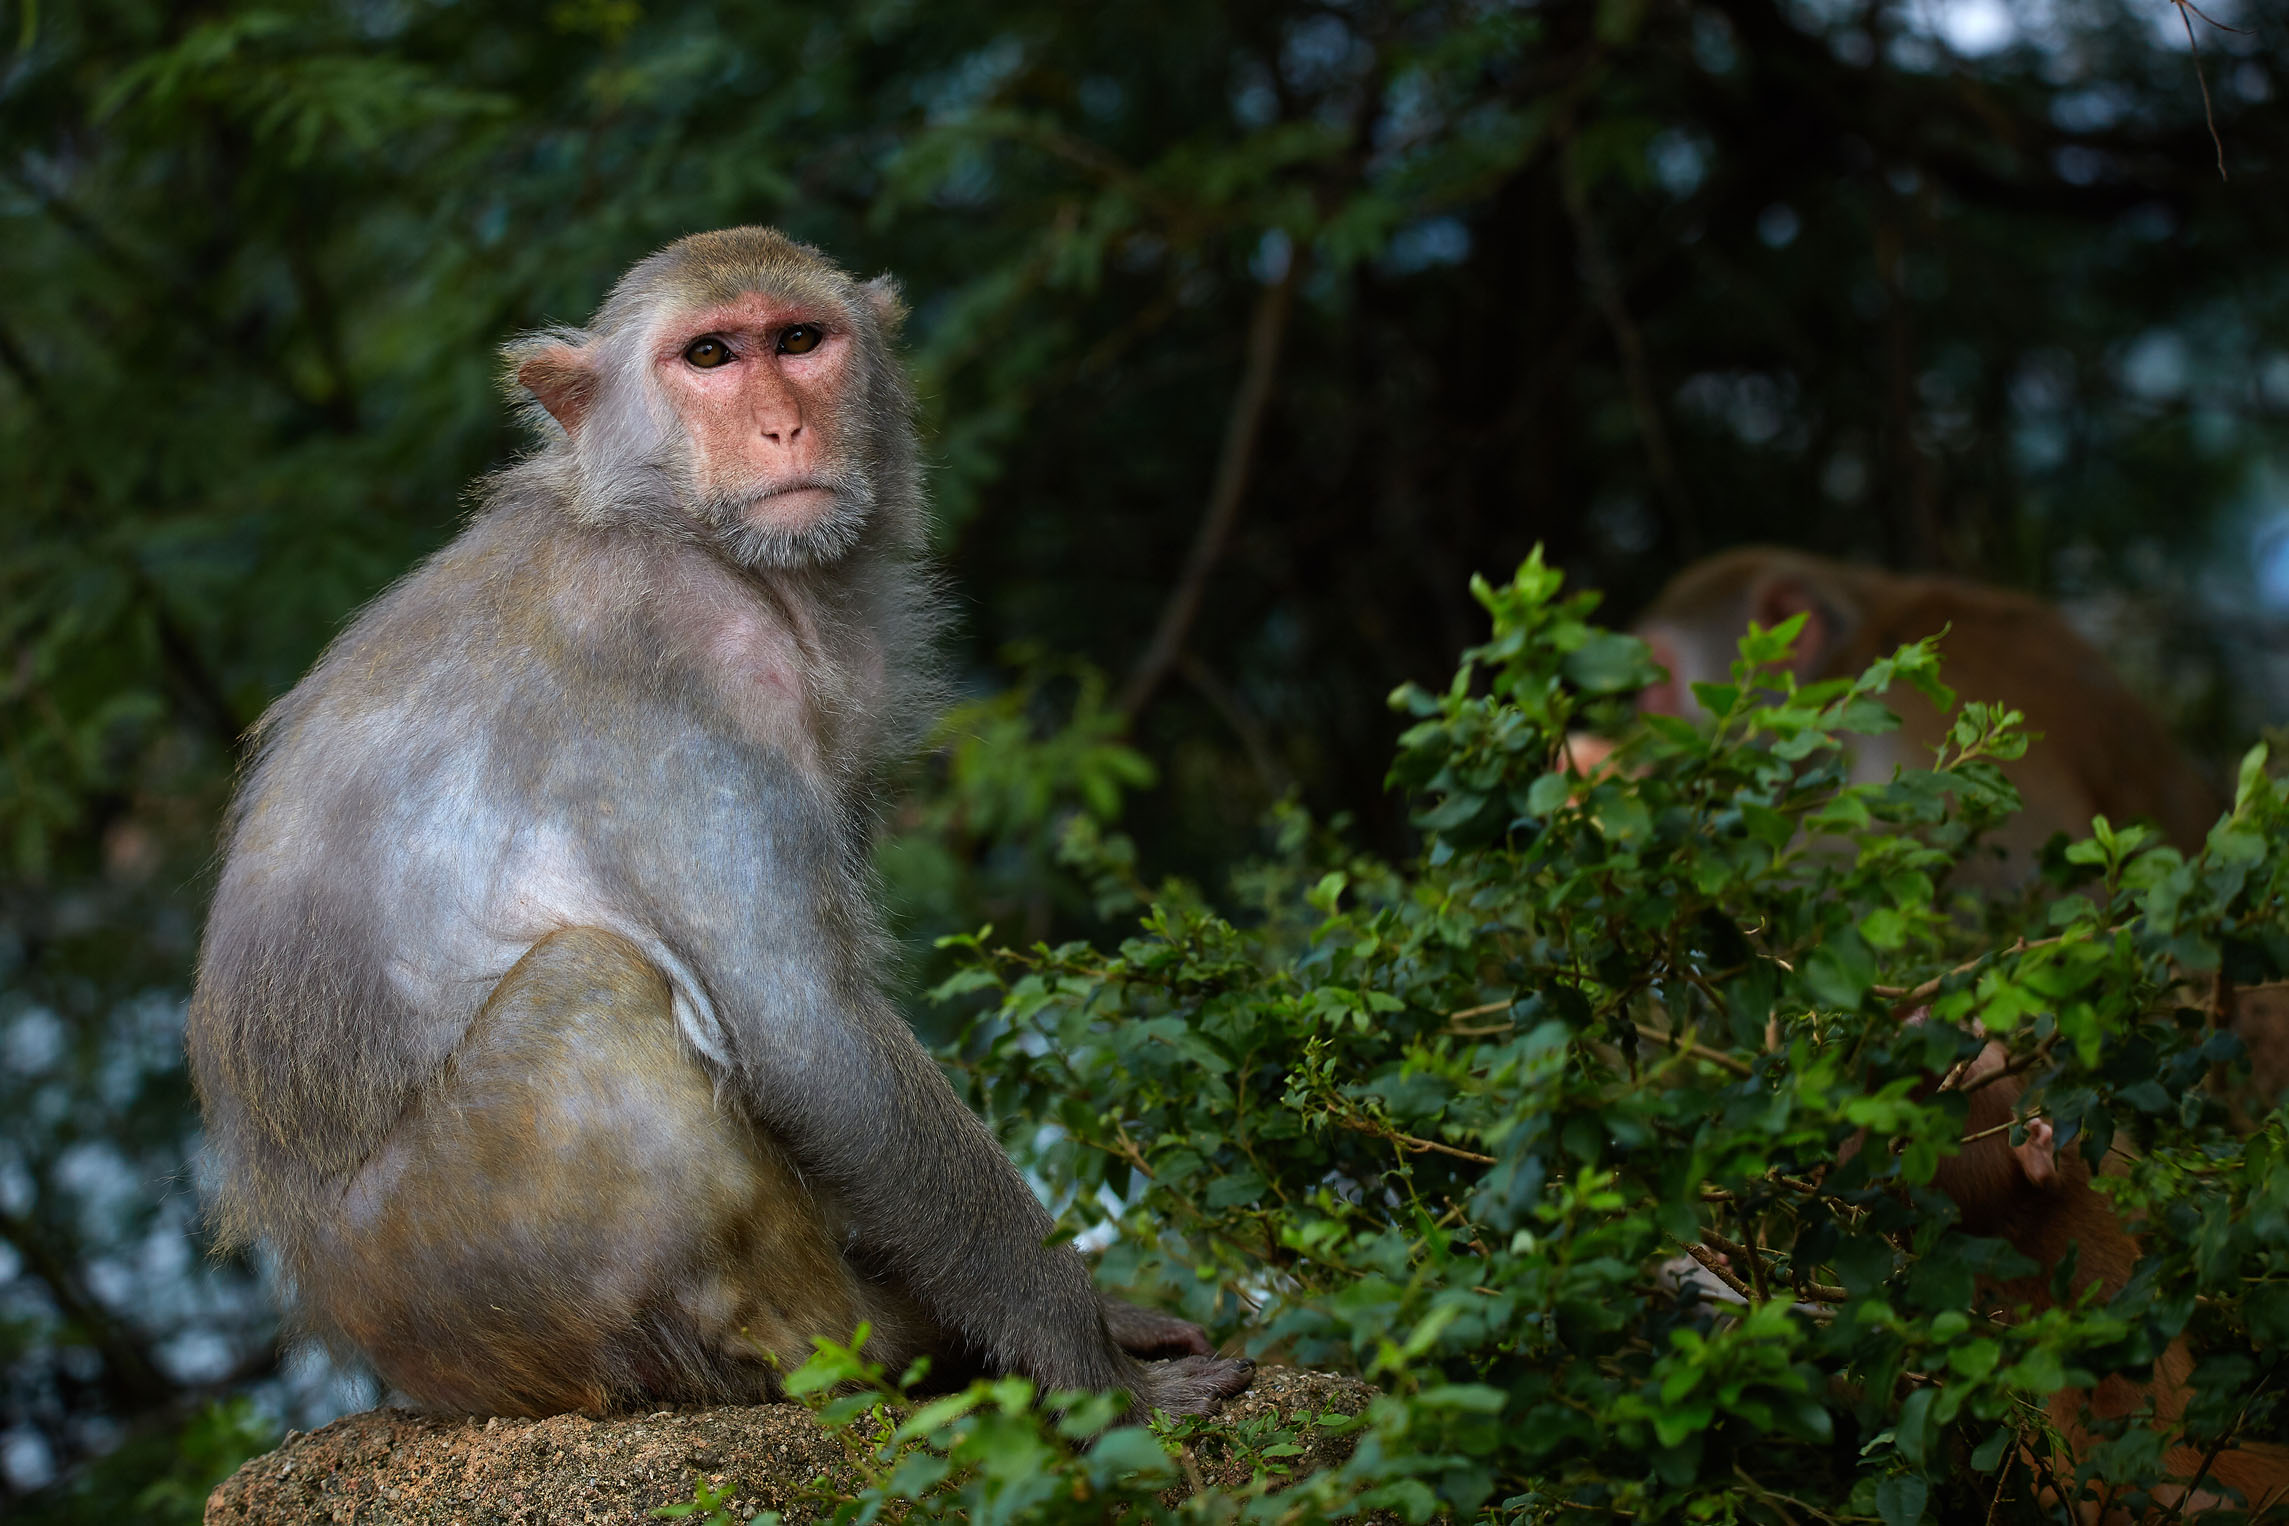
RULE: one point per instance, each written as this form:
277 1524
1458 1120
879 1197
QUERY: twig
1129 1151
2016 1066
1930 988
1716 1268
2209 113
1265 336
1780 1502
1412 1144
1481 1011
2224 1438
1229 708
129 1375
16 363
1697 1051
1606 293
2004 1127
1995 1500
1818 1292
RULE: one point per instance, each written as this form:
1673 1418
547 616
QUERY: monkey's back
427 777
2096 736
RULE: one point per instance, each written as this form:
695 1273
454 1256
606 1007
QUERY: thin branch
1930 988
19 365
1411 1143
1129 1151
2004 1127
1669 1042
2224 1439
2209 113
201 698
1716 1267
1606 293
2017 1065
129 1373
1266 334
1816 1292
1233 711
1995 1501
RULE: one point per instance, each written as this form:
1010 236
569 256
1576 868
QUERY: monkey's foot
1194 1385
1149 1333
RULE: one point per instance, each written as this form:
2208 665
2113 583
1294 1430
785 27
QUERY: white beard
828 537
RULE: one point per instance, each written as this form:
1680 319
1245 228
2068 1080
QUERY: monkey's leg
568 1218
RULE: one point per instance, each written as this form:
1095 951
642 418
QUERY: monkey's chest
784 689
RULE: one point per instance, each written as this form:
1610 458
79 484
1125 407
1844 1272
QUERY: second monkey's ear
561 379
889 307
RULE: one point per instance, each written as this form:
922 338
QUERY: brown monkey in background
537 1024
2099 752
2043 1203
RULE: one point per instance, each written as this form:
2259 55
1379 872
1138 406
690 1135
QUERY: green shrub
1449 1124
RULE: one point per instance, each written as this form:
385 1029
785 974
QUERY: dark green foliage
163 1477
1444 1122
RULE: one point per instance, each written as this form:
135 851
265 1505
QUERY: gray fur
540 728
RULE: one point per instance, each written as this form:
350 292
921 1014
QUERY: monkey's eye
707 353
800 339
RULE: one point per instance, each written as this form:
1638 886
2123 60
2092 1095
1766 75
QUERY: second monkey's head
740 386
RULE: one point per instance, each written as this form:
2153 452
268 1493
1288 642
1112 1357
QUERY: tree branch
1606 293
1266 333
128 1372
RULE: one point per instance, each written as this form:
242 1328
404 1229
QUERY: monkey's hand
1192 1385
1150 1333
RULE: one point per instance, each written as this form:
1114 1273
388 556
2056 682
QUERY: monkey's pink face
759 383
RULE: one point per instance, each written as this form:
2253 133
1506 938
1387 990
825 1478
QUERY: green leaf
1900 1499
1609 663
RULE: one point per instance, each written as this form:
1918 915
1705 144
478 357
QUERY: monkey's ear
1780 598
561 379
889 307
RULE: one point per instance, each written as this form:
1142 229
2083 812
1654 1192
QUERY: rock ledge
392 1467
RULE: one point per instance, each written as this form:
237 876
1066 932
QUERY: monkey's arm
755 890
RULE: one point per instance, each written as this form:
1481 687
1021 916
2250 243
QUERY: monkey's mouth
803 521
794 505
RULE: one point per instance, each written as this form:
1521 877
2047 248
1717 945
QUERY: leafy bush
1451 1124
162 1477
990 1456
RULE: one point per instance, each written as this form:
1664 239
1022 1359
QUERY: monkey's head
1694 627
740 386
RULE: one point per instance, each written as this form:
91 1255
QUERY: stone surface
393 1467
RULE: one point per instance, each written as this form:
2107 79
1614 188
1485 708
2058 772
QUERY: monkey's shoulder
534 656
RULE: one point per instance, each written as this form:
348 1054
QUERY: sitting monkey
537 1026
2099 752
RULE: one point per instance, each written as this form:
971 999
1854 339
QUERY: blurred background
1245 333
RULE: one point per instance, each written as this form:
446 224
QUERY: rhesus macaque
537 1023
2099 752
2042 1202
